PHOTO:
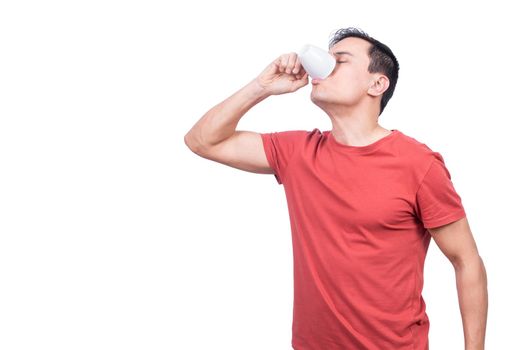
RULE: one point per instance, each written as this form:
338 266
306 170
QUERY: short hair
381 59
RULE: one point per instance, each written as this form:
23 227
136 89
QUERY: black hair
381 59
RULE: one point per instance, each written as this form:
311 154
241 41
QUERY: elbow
187 140
190 142
465 261
473 271
193 144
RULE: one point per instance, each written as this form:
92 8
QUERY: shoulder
417 155
296 136
289 138
416 150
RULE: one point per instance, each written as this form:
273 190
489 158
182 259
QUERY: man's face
350 80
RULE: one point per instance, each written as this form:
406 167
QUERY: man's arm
220 122
215 137
456 241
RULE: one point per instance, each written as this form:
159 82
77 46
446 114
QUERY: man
364 203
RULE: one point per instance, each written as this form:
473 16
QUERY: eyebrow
344 52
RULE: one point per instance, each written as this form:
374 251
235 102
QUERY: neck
356 128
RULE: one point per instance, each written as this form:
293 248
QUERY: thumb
303 81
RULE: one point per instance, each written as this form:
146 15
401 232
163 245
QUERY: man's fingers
297 66
283 63
291 63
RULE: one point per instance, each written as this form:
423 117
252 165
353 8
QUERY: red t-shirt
358 218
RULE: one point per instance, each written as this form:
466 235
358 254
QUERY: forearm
220 122
471 280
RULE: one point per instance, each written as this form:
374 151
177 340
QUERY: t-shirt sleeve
437 202
279 148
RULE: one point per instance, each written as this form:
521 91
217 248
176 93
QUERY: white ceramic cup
317 62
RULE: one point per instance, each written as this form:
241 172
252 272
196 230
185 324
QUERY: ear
378 85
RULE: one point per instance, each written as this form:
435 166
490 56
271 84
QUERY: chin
318 98
319 102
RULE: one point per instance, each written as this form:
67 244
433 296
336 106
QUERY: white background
114 235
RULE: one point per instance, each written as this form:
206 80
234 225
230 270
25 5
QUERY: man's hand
285 74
